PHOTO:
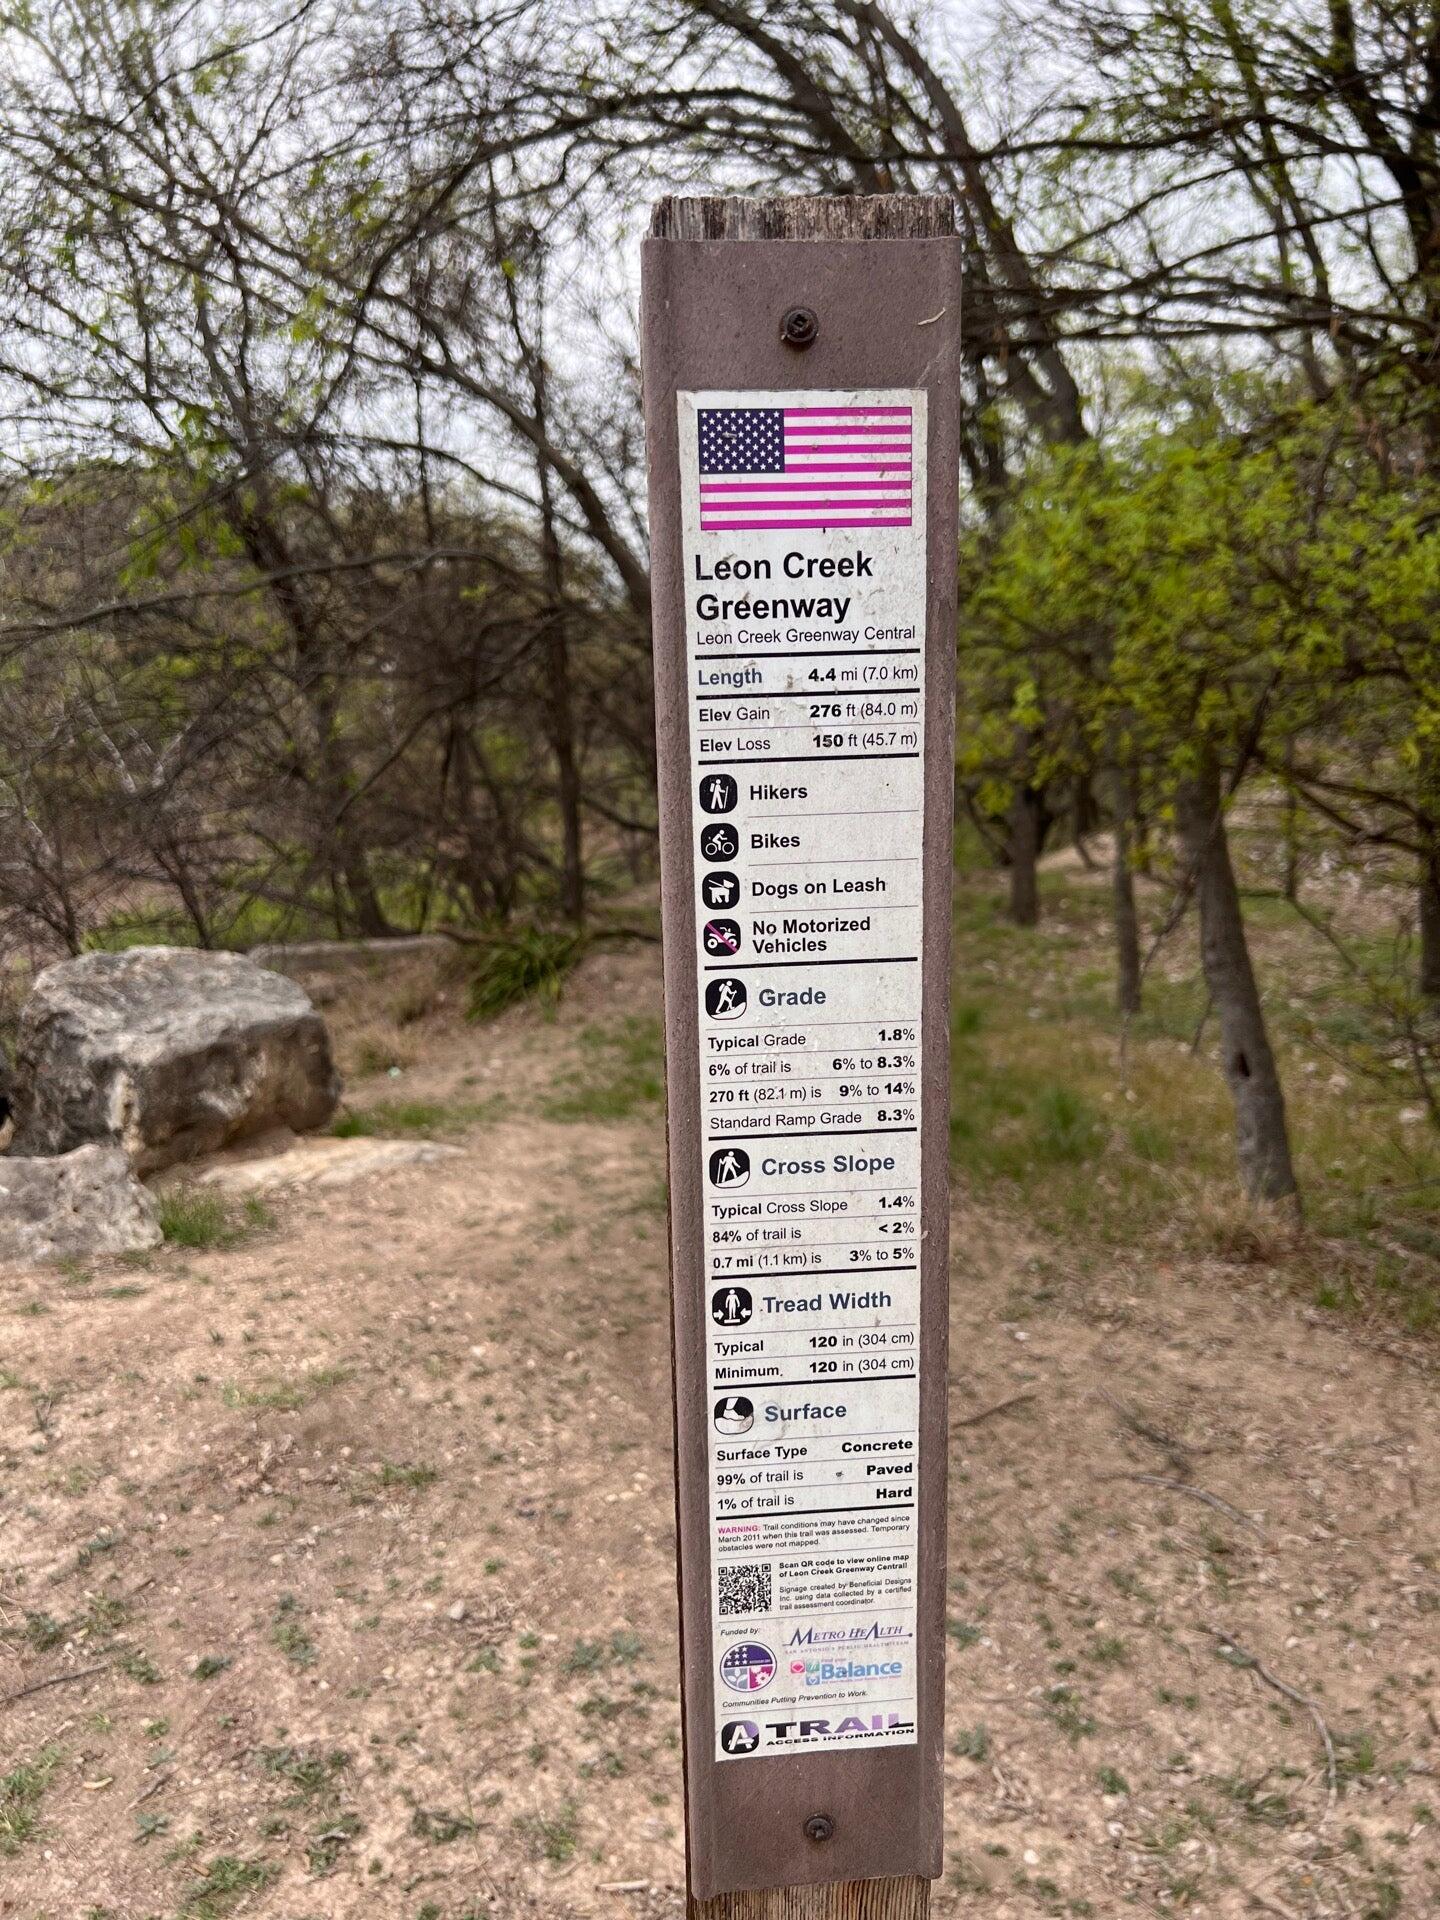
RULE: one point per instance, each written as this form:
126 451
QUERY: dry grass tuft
379 1020
1248 1233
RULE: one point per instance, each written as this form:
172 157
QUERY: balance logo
821 1673
747 1667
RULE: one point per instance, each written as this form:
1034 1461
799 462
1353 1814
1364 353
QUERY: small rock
72 1205
457 1612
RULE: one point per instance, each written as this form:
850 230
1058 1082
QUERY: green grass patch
308 1773
553 1837
226 1880
286 1396
415 1119
289 1633
620 1072
440 1826
21 1791
43 1631
622 1648
201 1219
398 1473
1119 1138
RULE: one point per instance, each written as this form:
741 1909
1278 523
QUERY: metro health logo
847 1636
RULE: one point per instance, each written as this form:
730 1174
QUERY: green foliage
308 1772
426 1119
521 963
1066 1126
416 1478
553 1837
194 1218
43 1631
289 1633
21 1791
1200 586
225 1881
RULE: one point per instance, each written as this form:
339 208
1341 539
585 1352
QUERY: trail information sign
805 560
801 398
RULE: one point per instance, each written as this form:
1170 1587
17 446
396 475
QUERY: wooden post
801 361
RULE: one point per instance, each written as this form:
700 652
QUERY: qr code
745 1589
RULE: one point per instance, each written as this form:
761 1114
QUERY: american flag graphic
804 467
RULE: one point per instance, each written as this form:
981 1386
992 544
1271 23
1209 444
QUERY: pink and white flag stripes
804 467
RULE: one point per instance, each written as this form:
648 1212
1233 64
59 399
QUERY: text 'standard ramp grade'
803 533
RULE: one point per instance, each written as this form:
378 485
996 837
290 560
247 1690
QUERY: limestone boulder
75 1205
167 1053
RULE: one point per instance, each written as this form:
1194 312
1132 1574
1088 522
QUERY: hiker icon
721 889
731 1306
729 1167
739 1736
734 1413
725 999
722 937
719 842
719 793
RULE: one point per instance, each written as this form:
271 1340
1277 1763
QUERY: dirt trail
395 1474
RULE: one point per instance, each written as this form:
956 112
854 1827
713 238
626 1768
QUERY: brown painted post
801 363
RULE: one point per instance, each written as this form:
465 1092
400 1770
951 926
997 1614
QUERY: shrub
190 1217
521 963
1066 1126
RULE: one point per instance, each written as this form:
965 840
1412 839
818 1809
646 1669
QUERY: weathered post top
801 361
874 216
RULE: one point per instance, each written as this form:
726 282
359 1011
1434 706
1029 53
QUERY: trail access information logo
747 1667
739 1736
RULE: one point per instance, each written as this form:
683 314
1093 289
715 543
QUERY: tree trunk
1028 821
1127 920
1085 818
339 852
560 712
1262 1138
559 692
1429 891
339 848
1292 827
370 916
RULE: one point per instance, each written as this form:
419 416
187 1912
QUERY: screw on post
819 1827
799 327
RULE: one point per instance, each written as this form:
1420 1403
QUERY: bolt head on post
799 328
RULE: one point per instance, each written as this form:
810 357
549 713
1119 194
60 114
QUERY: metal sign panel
803 526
